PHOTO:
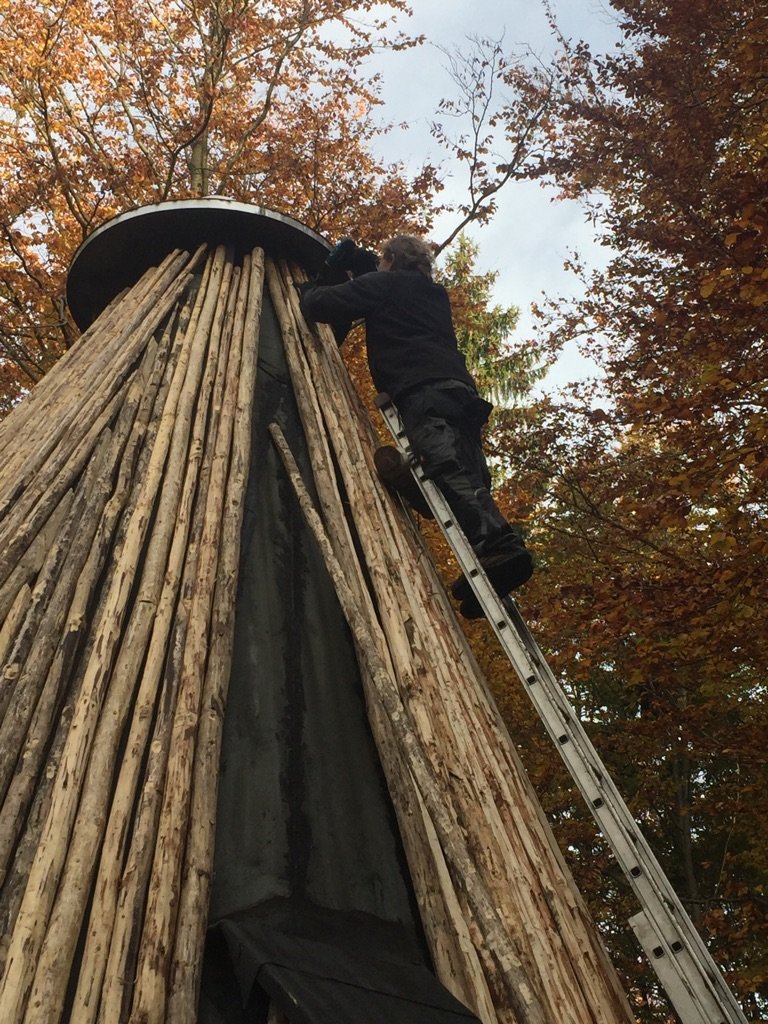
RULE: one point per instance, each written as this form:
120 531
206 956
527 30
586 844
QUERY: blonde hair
408 252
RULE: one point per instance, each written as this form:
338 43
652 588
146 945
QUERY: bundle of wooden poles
121 495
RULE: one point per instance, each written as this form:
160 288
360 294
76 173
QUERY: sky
532 233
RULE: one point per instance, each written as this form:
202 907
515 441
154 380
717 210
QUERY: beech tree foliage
648 489
108 104
643 495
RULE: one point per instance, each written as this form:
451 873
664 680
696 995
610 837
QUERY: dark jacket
408 323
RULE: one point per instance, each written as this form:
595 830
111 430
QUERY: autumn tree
504 370
496 122
107 105
651 486
645 513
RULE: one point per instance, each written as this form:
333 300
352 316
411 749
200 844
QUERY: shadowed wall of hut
309 871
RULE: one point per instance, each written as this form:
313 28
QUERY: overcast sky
531 234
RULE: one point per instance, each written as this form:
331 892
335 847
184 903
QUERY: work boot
394 470
507 564
470 608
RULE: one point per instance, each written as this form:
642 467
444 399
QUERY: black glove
342 254
329 274
348 256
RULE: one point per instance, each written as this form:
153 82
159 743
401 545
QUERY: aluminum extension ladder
693 982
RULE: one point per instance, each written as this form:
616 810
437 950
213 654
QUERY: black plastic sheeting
320 966
311 901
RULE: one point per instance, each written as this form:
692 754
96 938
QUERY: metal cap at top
116 255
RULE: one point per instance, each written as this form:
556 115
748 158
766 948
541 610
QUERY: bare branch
476 74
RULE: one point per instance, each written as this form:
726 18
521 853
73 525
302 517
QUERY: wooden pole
41 584
28 567
46 870
122 517
156 690
149 995
78 631
198 861
86 378
47 678
453 952
130 670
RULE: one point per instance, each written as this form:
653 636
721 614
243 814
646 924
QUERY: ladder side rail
673 947
664 929
604 799
678 976
615 809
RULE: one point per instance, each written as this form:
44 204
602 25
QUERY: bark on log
163 897
46 870
56 954
516 992
86 381
193 910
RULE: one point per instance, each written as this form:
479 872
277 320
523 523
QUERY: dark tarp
321 966
311 896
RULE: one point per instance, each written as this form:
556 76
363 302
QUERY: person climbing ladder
413 356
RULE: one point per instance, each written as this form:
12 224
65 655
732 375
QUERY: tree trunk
198 165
